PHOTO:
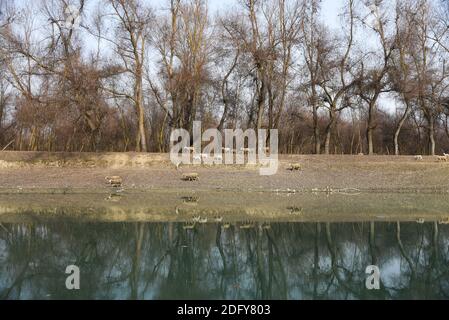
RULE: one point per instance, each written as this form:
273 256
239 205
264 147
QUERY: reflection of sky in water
391 272
164 261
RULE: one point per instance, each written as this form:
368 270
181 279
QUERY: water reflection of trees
165 261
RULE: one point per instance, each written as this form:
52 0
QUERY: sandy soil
39 171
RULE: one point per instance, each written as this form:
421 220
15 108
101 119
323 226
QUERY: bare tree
312 49
337 71
133 20
375 77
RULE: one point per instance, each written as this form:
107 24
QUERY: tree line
119 75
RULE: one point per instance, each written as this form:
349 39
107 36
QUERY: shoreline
327 188
183 206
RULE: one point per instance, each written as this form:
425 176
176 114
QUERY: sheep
295 210
190 177
189 149
442 158
247 150
418 158
207 159
218 158
114 181
295 167
201 157
193 200
226 150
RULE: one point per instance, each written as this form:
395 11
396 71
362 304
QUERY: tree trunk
327 142
261 104
370 128
431 136
316 130
141 141
369 136
329 129
399 128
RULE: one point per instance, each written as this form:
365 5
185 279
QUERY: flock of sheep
116 181
203 157
442 158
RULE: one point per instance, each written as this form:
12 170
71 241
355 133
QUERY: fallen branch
7 145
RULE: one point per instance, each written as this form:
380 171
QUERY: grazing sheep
218 158
190 199
420 221
189 149
418 158
295 167
247 150
295 210
361 154
114 181
197 157
226 150
444 221
442 158
190 177
218 219
178 165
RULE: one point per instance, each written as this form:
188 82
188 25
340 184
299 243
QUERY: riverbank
223 207
77 172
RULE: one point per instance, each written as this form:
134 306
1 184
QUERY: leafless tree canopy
119 75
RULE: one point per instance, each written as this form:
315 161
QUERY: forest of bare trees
119 75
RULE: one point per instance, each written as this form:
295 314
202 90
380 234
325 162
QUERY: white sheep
189 149
247 150
418 158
